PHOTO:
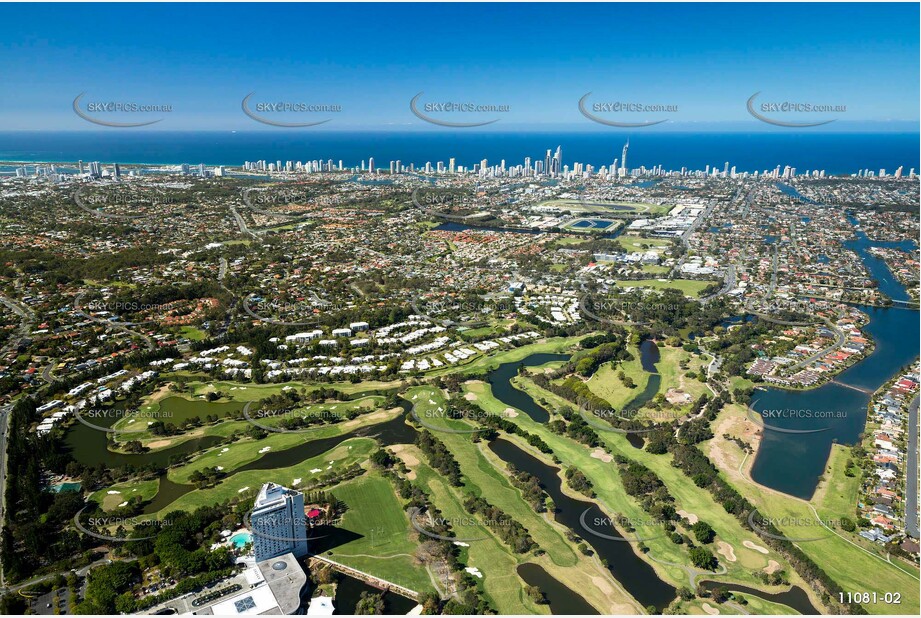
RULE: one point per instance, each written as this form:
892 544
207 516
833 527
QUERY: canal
793 462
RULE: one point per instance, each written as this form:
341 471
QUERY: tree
702 558
720 594
536 595
703 532
369 605
107 582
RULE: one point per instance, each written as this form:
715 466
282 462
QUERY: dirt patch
725 550
726 456
710 609
772 567
599 453
691 517
757 548
160 393
677 396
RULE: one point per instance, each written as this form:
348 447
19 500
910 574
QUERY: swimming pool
241 538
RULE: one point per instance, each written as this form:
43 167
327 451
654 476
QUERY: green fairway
246 450
606 384
355 450
853 565
486 475
687 497
487 362
126 491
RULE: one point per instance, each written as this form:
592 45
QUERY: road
26 319
241 223
37 580
911 472
728 283
46 372
840 338
115 325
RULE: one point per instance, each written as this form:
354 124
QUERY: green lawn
633 244
688 286
386 543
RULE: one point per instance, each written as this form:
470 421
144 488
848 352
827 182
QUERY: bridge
852 387
377 582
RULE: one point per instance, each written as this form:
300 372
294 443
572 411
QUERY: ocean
836 153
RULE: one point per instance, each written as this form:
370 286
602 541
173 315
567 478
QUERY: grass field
385 545
632 244
193 334
688 286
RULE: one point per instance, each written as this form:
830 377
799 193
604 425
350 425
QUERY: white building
278 523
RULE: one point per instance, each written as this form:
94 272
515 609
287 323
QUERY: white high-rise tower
278 523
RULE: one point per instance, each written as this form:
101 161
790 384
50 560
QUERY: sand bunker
691 517
470 396
757 548
601 584
710 609
510 412
600 453
725 550
772 567
401 451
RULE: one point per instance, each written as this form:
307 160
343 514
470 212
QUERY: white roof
320 606
256 601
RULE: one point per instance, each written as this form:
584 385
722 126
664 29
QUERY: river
634 574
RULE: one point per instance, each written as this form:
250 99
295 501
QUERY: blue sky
371 59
